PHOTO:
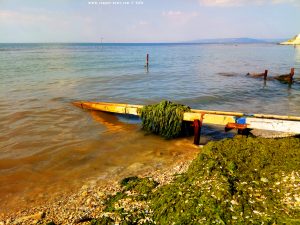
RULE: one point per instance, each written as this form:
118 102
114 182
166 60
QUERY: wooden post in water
292 73
197 131
266 74
147 62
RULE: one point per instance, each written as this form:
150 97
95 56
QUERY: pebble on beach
89 201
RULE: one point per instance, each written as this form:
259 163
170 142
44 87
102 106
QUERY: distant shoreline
243 40
137 44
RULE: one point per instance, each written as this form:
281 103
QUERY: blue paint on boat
241 120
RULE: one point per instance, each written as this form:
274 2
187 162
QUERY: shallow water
49 146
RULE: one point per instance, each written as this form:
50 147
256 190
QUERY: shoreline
87 202
239 180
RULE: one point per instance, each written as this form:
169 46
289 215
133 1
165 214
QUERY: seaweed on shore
142 186
164 118
233 181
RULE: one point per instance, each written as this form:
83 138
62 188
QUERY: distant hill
235 41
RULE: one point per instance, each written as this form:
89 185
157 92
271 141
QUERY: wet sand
87 201
59 171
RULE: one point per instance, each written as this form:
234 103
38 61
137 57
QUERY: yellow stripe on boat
209 118
110 107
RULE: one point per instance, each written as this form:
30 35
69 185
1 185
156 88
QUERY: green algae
50 223
231 182
234 181
142 186
112 200
164 118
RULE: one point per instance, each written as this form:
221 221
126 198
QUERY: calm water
47 145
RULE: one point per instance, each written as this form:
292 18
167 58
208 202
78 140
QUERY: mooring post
147 61
197 131
292 73
266 74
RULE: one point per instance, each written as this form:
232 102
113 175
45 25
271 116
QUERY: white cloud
143 23
6 15
230 3
295 2
172 13
32 26
179 17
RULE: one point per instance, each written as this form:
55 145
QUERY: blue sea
202 76
48 145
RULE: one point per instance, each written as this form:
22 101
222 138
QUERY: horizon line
263 41
194 41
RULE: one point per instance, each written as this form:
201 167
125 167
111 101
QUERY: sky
146 20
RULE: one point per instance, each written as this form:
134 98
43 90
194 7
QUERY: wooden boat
286 78
231 120
258 75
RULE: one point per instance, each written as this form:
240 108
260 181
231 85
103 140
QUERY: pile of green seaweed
233 181
164 118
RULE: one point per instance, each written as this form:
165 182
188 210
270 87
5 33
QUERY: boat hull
279 123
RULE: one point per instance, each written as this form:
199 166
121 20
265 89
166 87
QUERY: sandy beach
262 188
88 201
